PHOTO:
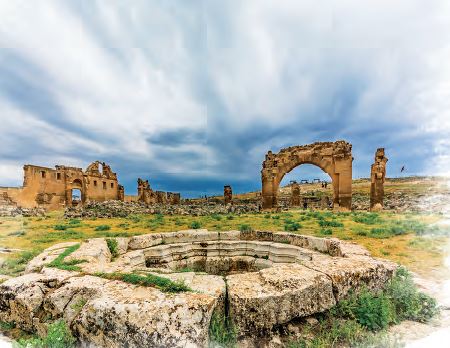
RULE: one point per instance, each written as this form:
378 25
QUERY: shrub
230 217
276 217
113 247
60 227
58 336
74 221
326 231
216 217
245 228
102 228
292 226
374 312
409 303
330 223
195 225
267 216
367 218
222 331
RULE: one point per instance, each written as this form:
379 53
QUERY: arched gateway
335 159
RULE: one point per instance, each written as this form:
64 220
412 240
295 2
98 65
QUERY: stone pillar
377 178
227 194
121 193
295 194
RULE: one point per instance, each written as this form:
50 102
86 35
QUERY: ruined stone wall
334 158
52 188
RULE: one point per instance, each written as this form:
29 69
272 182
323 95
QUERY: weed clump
113 247
60 227
67 265
330 223
195 225
292 226
58 336
102 228
151 280
245 228
15 266
361 320
222 331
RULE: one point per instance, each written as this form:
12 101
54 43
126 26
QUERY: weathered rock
272 278
261 300
47 256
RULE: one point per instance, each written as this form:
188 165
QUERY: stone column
295 194
227 194
377 178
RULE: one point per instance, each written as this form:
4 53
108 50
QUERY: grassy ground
403 238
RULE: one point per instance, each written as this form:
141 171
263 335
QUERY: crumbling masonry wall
334 158
52 188
148 196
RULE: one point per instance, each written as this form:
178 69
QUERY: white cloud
124 72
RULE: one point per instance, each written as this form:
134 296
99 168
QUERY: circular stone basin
223 257
260 279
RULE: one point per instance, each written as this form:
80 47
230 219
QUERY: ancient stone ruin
54 188
227 194
295 194
261 280
145 193
377 178
334 158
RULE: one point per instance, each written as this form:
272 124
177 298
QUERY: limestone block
47 256
260 300
144 241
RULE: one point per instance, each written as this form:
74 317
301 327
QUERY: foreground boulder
260 279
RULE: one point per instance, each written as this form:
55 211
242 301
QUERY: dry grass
419 253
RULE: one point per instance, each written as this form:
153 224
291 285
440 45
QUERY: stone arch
334 158
75 184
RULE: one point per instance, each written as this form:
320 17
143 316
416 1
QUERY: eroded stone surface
260 300
271 279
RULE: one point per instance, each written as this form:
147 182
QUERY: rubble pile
109 209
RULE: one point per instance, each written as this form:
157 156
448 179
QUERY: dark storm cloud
191 95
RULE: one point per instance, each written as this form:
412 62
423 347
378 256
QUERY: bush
367 218
292 226
60 227
330 223
74 222
245 228
195 225
409 303
58 336
102 228
113 247
326 231
216 217
375 312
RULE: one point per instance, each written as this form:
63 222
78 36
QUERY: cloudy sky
191 94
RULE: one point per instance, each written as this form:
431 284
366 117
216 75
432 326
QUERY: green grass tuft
164 284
